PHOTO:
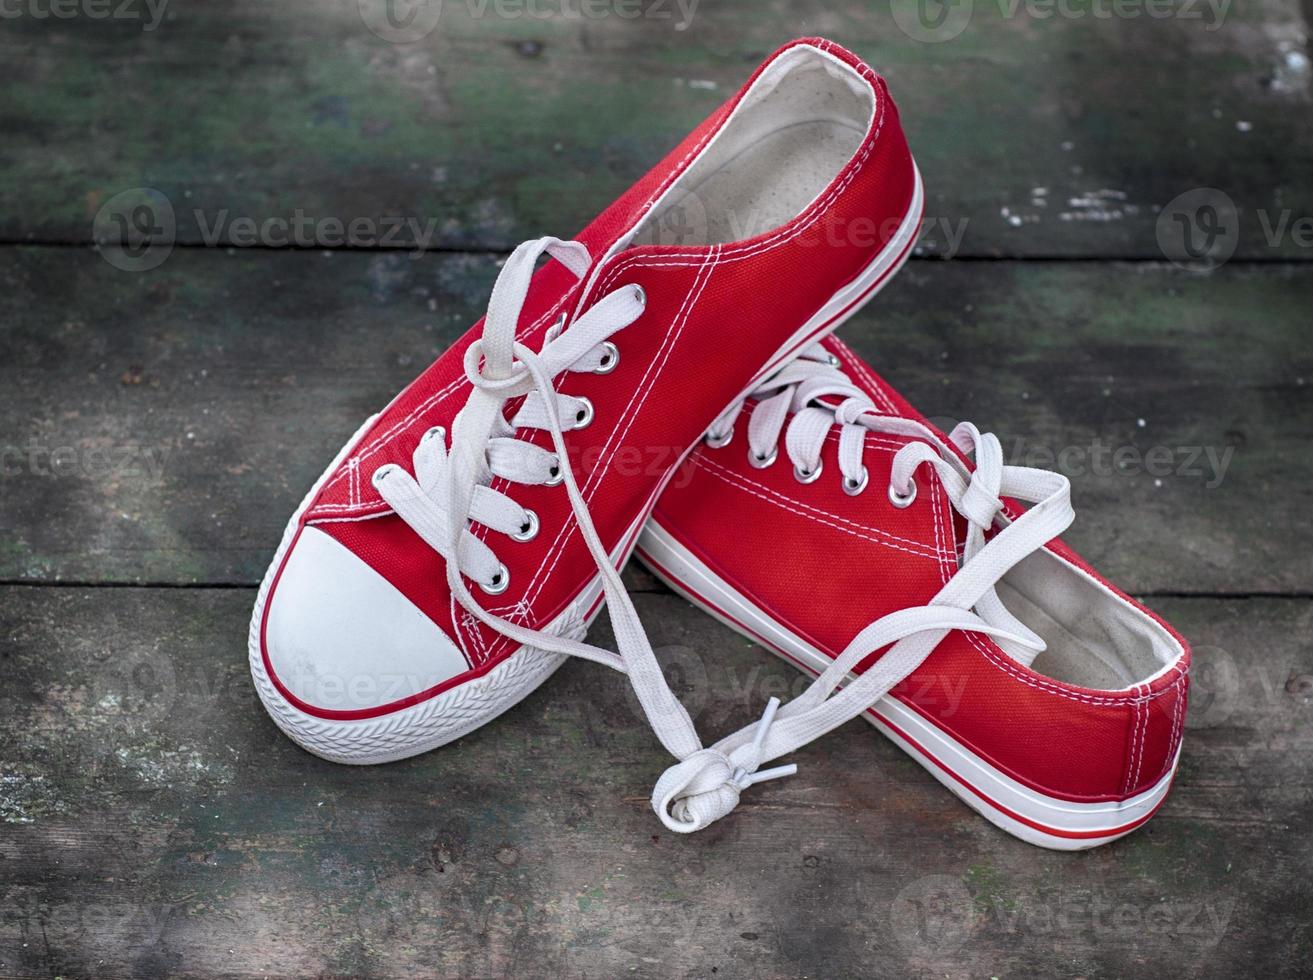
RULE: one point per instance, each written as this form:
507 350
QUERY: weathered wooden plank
161 427
153 822
1176 404
1042 129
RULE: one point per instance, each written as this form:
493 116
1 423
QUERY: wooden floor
158 427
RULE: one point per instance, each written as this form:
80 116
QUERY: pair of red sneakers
455 552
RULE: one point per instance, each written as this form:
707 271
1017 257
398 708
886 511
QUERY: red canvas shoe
460 544
831 523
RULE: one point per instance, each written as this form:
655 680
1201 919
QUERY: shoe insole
763 186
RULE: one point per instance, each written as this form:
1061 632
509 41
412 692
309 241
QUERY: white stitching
456 628
786 234
397 427
1129 751
1139 755
589 488
654 370
807 512
945 537
678 170
1173 738
310 522
864 370
472 626
1001 661
700 458
649 379
1134 739
381 440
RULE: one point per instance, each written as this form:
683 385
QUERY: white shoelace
705 786
451 489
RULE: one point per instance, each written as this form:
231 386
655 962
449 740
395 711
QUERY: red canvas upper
714 317
826 564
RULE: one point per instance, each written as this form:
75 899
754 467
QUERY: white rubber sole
1021 811
458 711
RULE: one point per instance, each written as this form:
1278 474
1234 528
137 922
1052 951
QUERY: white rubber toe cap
340 637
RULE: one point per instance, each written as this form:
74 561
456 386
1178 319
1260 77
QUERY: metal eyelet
529 529
853 488
557 476
900 500
610 358
761 462
719 442
382 473
808 476
584 416
834 361
640 294
500 582
437 432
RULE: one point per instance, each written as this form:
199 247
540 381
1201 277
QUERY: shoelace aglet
763 726
761 776
744 778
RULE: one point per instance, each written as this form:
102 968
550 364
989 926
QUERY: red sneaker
772 222
829 520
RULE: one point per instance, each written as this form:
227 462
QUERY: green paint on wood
1038 135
